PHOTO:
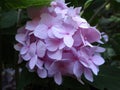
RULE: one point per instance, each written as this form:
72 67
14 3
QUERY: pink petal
77 39
98 60
82 23
68 56
92 34
77 70
47 19
84 58
105 37
71 12
31 25
94 68
50 34
52 44
26 57
88 75
42 73
39 64
21 30
58 78
58 10
21 38
68 40
23 50
32 49
33 62
41 49
61 4
61 46
48 63
57 32
41 31
78 9
55 55
70 22
99 49
52 69
84 63
17 47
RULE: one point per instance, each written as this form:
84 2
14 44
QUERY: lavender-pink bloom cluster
57 41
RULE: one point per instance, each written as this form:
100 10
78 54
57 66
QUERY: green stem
19 17
98 10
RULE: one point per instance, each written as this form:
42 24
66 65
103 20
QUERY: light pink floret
57 41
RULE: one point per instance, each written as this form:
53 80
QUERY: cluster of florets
57 41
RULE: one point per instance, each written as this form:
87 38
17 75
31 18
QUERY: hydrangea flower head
57 42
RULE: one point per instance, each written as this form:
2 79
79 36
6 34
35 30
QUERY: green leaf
8 19
15 4
27 78
73 84
118 1
87 3
72 3
110 52
116 42
114 19
109 78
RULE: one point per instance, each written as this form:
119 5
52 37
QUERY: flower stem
19 17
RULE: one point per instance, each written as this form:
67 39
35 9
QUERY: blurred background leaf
8 19
108 78
118 1
15 4
87 3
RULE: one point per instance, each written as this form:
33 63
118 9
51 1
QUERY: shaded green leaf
114 19
116 42
118 1
14 4
110 52
73 84
87 3
72 3
109 78
8 19
27 78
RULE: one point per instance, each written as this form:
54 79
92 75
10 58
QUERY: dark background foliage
105 14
